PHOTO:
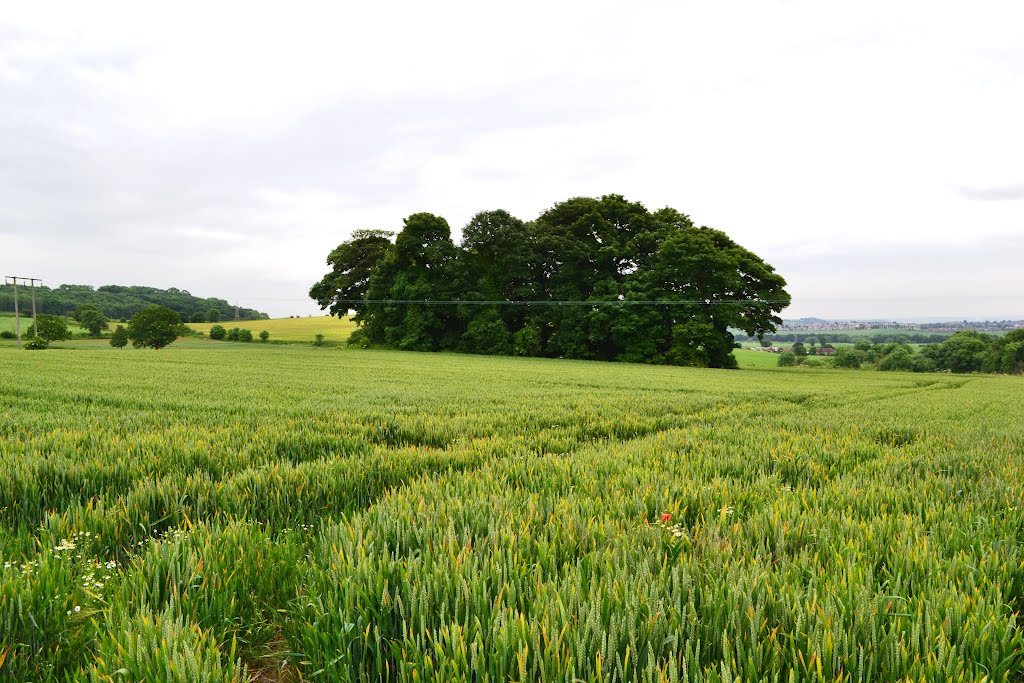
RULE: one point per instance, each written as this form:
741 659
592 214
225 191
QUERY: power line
579 302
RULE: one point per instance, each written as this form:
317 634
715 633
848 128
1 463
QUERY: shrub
787 359
218 332
264 336
812 363
120 337
359 339
233 334
6 334
36 344
244 335
318 340
845 358
526 342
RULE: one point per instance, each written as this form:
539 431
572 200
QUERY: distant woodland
121 302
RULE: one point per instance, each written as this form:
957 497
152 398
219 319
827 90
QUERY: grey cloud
993 194
79 162
980 278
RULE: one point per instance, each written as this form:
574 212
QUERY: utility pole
35 325
236 310
13 279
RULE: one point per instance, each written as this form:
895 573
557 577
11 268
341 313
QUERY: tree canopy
592 278
91 318
52 328
154 327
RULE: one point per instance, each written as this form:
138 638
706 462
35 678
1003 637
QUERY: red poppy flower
665 517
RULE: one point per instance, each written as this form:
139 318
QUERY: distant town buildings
816 325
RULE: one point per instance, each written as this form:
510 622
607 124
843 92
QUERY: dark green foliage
788 359
965 351
799 349
244 335
488 334
7 334
352 263
213 316
198 317
232 334
847 358
52 328
1006 354
899 359
36 344
264 336
118 302
526 342
91 318
154 327
218 332
119 339
583 250
318 340
970 351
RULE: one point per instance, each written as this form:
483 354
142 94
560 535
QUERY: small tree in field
218 332
788 359
264 336
119 339
318 340
91 318
213 316
154 327
52 328
244 335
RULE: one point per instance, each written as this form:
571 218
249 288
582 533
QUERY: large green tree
418 268
352 262
154 327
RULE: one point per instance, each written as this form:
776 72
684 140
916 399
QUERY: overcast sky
872 152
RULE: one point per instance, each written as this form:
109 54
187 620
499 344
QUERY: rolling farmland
295 513
290 329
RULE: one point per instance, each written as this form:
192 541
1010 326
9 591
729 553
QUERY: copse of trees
971 351
964 352
563 285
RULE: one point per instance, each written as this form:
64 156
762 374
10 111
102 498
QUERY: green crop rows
275 513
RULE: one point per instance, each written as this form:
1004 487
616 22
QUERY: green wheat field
292 513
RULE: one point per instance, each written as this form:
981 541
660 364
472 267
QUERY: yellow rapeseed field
290 329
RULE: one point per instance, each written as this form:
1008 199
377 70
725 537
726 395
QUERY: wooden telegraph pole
13 279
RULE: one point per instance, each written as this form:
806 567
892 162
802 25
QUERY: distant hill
117 301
